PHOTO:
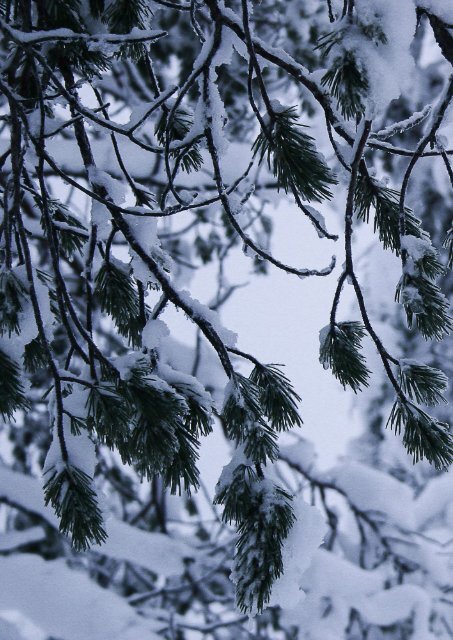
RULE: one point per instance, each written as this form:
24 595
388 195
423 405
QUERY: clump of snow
115 189
370 489
317 215
417 248
381 42
154 332
397 604
440 8
124 364
305 537
331 575
39 589
238 459
81 451
212 317
100 216
410 297
434 499
13 539
192 387
302 453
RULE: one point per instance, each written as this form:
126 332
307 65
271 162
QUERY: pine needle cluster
370 195
425 304
12 393
256 409
340 351
348 83
422 383
263 515
292 157
118 296
71 494
180 125
155 426
13 297
424 436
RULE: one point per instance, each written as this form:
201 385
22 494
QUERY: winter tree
148 143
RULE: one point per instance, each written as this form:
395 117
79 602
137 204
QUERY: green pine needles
371 195
277 397
119 298
34 356
155 427
422 383
425 305
70 231
340 346
13 298
348 83
181 122
70 492
12 394
292 157
263 515
424 436
255 410
244 421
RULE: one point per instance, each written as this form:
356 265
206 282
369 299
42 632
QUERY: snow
331 575
80 448
124 364
397 604
156 552
212 317
397 21
69 604
402 126
13 539
226 477
192 387
371 489
305 537
417 248
440 8
301 453
333 586
154 332
434 499
317 215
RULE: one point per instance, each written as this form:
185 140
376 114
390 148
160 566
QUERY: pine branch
423 435
12 393
425 305
34 356
368 195
70 493
340 351
13 298
348 83
277 397
119 298
422 383
243 418
292 157
263 515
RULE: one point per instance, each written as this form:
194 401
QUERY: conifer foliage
116 182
